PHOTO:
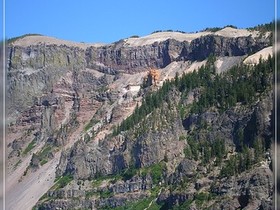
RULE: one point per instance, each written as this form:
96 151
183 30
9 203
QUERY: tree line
238 85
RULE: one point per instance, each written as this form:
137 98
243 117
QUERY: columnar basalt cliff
118 142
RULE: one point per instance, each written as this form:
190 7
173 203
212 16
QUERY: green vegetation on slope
210 150
141 204
242 85
30 146
264 27
63 181
215 29
238 85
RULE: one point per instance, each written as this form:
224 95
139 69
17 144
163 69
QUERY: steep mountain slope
67 103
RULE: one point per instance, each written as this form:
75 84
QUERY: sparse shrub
63 181
30 146
20 37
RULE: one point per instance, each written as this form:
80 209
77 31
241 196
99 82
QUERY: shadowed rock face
222 46
158 55
120 56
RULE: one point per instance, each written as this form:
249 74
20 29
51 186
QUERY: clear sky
110 20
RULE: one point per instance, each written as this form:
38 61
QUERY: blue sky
110 20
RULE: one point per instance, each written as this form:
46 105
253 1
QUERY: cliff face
149 145
158 55
124 55
34 70
153 156
65 99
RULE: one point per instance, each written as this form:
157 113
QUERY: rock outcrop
66 99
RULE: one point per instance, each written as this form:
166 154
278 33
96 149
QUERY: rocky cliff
154 156
36 61
66 101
